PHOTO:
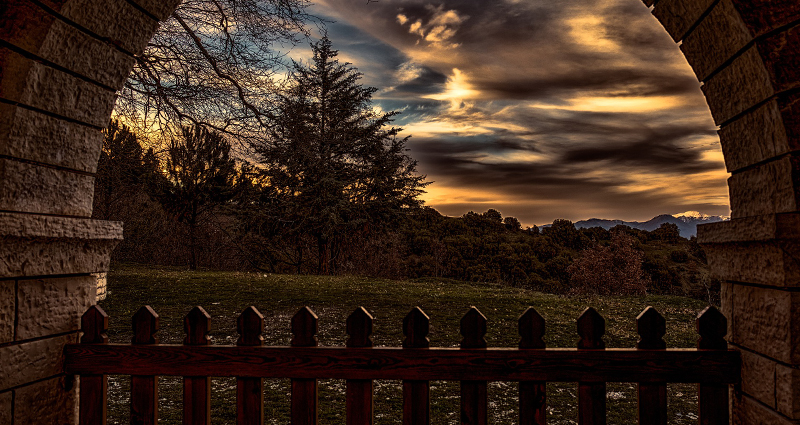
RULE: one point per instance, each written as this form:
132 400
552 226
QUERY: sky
540 109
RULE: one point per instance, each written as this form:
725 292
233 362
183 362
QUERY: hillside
687 222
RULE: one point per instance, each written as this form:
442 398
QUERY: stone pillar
746 54
61 62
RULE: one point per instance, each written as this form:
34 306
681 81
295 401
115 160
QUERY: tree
199 176
119 171
615 269
332 162
212 62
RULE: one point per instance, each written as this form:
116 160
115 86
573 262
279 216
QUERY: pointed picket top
94 324
304 328
416 326
197 325
359 328
145 326
250 326
591 327
531 329
651 327
473 329
712 327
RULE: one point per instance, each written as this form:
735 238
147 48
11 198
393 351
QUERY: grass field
172 292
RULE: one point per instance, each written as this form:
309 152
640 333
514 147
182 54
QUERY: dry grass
172 292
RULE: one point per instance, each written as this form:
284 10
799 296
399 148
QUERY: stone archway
61 62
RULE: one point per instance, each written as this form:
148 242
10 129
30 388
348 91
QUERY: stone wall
61 62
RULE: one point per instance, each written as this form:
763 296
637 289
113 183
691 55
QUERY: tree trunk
192 246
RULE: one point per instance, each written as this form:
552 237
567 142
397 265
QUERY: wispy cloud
542 109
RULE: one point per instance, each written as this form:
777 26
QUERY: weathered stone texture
747 411
758 377
33 361
46 403
677 16
49 89
6 408
39 189
38 246
781 55
726 301
34 136
117 20
75 50
24 14
766 189
51 306
766 320
750 229
766 263
739 86
161 9
755 137
762 16
715 40
7 309
787 391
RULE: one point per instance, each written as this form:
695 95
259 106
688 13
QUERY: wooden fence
712 365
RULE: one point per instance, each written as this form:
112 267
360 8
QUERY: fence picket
712 399
473 393
651 327
197 389
144 389
304 391
250 391
416 394
591 396
359 391
532 394
93 388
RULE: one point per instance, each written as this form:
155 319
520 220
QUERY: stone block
7 310
161 9
758 378
766 189
762 16
726 299
51 402
24 14
33 361
34 136
39 189
764 263
32 245
767 321
39 86
781 55
6 408
747 411
742 84
678 16
85 55
754 137
715 40
787 390
117 21
51 306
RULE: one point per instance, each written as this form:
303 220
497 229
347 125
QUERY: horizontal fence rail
712 365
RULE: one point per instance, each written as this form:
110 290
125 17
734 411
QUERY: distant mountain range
687 222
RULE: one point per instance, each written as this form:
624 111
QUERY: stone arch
62 60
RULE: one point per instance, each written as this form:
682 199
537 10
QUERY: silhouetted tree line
331 190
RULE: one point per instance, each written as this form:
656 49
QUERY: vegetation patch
172 292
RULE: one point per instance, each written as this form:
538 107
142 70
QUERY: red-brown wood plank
474 409
416 392
144 389
93 388
358 392
652 327
712 399
591 396
452 364
532 394
197 389
250 391
304 391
